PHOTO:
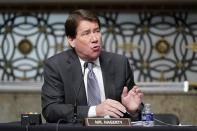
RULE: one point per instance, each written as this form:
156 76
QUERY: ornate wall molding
160 45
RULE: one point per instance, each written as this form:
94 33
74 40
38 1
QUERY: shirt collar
96 62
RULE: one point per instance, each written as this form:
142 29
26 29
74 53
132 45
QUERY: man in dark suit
65 88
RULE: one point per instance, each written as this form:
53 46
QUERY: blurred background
158 36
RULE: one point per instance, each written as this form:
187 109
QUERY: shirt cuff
92 111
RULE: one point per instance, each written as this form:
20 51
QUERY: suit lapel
108 75
76 80
74 73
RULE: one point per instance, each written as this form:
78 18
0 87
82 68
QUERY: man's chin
94 57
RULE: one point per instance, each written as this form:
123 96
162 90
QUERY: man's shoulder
60 56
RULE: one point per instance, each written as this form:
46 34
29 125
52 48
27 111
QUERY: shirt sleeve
92 111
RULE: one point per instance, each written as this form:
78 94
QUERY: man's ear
71 41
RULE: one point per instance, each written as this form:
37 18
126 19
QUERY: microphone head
85 65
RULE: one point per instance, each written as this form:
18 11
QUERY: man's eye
98 30
85 33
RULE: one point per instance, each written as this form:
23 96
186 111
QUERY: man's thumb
124 92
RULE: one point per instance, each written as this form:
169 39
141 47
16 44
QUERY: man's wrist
133 112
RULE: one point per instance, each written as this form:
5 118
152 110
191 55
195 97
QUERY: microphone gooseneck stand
77 93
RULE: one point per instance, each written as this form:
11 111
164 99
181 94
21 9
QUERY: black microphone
85 66
77 94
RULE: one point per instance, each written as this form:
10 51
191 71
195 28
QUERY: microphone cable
27 127
58 122
164 123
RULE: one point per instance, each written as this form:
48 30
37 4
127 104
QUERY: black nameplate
107 122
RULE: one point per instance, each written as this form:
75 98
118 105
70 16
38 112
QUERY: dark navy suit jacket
63 78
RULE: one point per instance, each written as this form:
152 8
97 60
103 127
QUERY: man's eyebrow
97 28
86 30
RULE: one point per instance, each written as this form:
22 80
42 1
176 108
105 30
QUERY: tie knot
90 65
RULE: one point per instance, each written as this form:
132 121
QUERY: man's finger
117 105
116 111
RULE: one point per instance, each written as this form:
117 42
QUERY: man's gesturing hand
132 99
110 107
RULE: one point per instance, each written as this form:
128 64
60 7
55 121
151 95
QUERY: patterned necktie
94 97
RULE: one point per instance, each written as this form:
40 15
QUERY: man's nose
94 38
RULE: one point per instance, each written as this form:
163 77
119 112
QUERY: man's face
88 41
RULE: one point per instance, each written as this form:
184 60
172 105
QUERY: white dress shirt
97 71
